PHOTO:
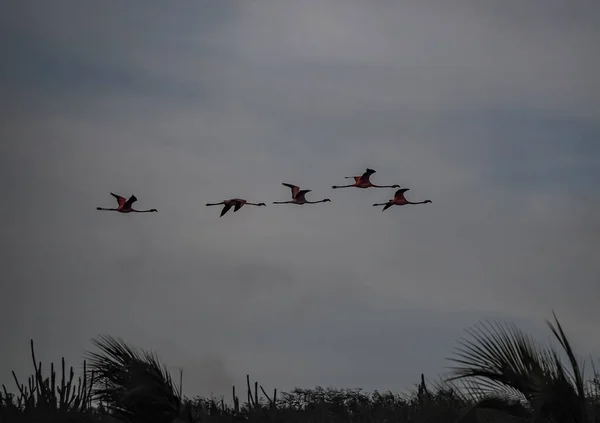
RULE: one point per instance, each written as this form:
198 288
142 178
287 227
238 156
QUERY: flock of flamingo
298 197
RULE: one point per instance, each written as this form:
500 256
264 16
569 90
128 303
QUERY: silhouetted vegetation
500 375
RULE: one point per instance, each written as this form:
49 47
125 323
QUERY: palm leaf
501 361
134 384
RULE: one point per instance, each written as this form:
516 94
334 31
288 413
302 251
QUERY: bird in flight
399 200
363 181
125 205
236 203
298 196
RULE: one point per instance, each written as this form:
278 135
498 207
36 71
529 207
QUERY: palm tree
509 373
133 384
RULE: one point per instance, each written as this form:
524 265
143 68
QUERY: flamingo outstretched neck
364 181
325 200
125 205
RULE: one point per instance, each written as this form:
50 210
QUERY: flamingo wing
365 176
130 201
399 195
238 203
225 209
294 188
300 195
120 200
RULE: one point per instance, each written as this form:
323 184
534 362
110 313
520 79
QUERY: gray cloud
487 110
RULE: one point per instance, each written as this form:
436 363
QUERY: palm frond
502 361
566 345
500 358
133 383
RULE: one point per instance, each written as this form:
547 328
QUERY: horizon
487 110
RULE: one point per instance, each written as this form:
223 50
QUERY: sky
491 110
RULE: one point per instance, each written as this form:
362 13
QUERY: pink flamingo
236 203
125 205
399 200
363 181
298 196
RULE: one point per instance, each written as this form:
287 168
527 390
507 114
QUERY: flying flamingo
399 200
236 203
363 181
125 205
298 196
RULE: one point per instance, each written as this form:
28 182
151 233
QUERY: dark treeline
500 374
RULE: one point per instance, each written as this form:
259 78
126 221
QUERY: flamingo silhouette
236 203
363 181
298 196
125 205
399 200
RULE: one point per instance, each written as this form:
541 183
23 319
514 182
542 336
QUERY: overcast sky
489 109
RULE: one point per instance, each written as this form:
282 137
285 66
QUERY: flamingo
363 181
399 200
125 205
236 203
298 196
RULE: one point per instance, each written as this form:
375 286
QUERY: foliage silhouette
501 375
504 363
134 384
45 399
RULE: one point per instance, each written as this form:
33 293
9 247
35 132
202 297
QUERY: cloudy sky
490 110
